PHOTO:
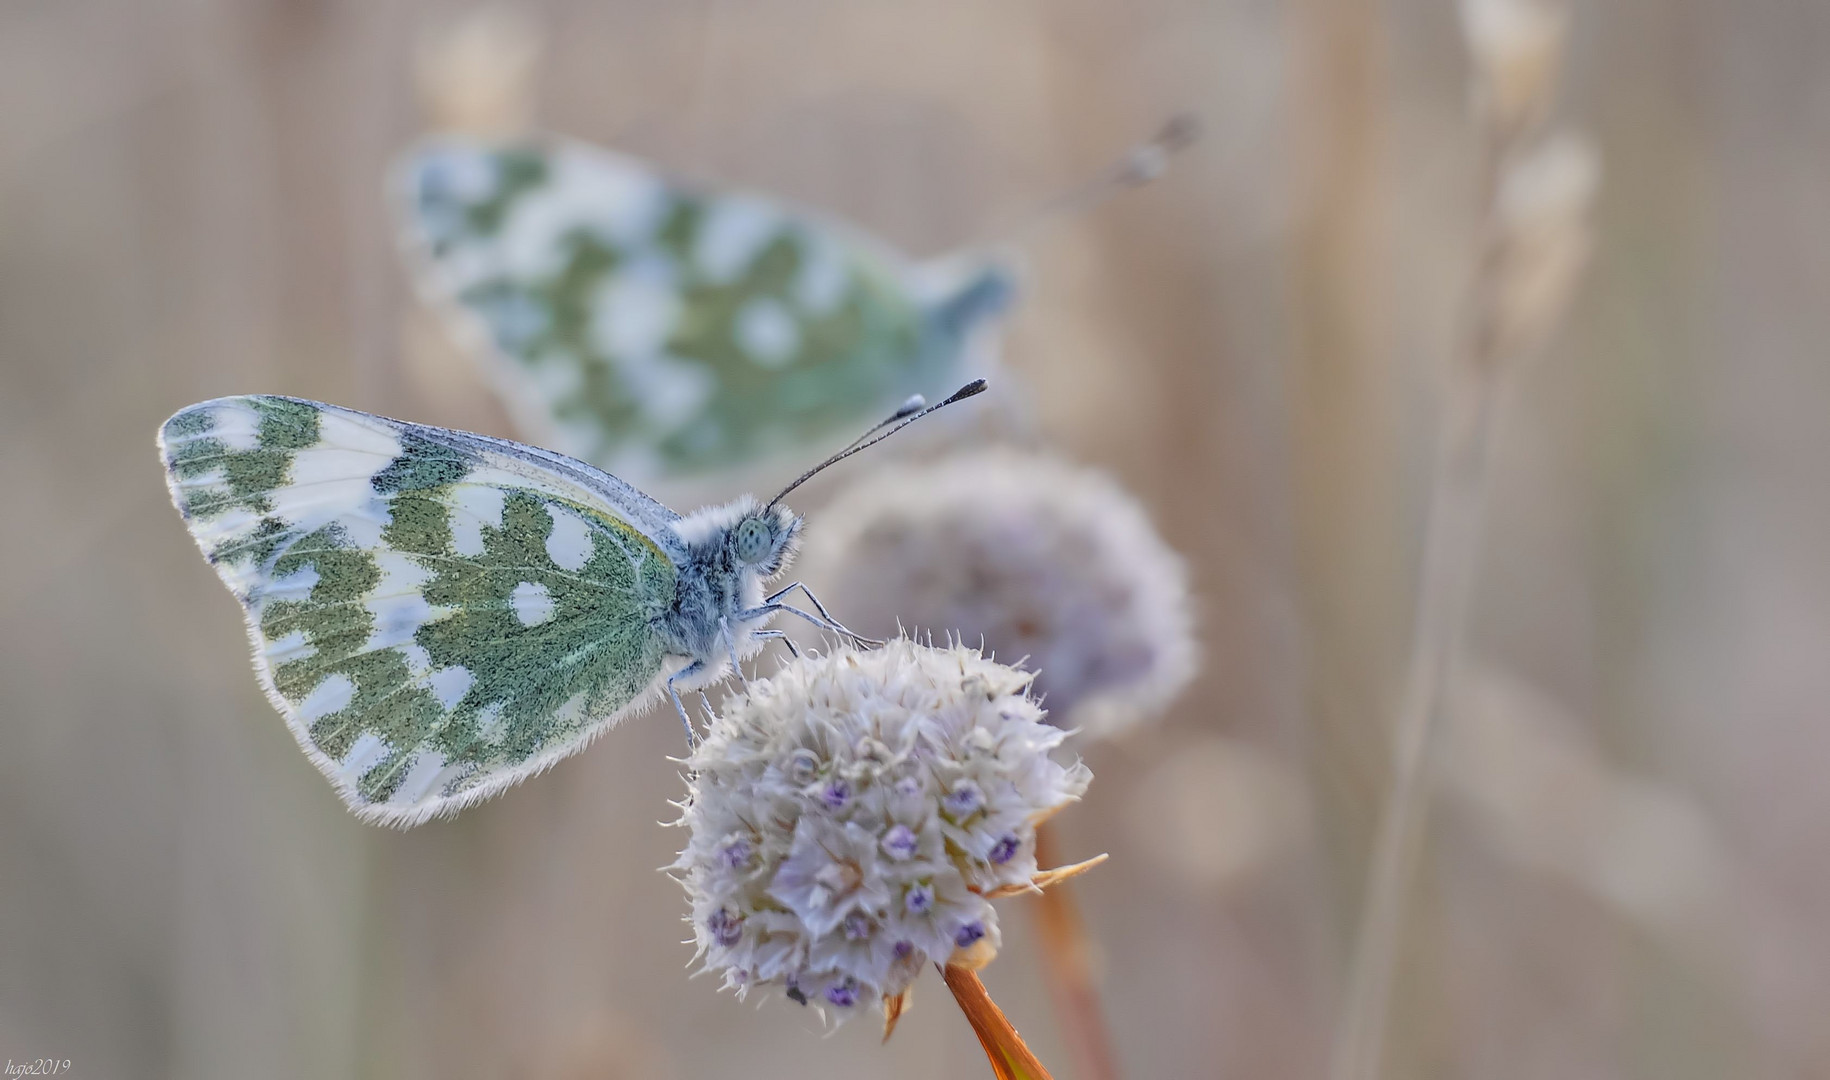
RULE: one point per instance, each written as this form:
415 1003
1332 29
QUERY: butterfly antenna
1138 166
913 405
910 411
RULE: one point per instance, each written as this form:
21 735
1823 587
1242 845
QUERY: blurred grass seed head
1517 49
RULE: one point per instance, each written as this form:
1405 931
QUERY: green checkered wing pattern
664 330
437 615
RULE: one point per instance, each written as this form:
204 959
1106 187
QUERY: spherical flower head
851 816
1040 561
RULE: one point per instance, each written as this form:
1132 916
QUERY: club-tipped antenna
910 411
913 405
1139 165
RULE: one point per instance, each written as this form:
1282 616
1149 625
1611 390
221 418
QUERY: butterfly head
753 541
764 539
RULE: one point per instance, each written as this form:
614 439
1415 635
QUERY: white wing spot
569 545
572 711
490 725
473 507
516 319
217 477
636 309
449 685
427 774
332 695
348 450
364 754
397 619
455 172
237 427
294 586
767 332
362 526
596 192
733 233
399 608
289 648
532 602
419 661
819 284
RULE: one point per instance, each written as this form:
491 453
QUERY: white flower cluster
851 816
1040 561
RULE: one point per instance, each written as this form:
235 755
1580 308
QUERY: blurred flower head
1045 563
851 817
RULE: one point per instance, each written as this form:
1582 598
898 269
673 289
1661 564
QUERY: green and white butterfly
439 615
668 331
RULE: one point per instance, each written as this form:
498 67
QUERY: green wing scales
664 330
437 616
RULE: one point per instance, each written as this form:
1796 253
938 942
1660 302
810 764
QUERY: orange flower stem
1009 1056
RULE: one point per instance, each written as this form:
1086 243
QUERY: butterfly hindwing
437 615
657 328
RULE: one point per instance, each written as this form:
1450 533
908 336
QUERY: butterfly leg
730 644
771 607
694 668
783 637
861 640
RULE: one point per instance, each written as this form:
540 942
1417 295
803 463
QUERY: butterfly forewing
437 615
656 328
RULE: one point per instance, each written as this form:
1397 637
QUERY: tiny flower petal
899 843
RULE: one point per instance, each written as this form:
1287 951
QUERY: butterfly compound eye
753 540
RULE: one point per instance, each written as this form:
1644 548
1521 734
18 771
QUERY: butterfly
666 330
439 615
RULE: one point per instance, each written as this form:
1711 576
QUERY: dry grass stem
1533 241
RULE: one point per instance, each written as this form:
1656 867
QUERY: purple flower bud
908 787
857 926
835 794
844 994
1004 849
726 929
903 949
919 899
735 852
899 843
964 800
969 933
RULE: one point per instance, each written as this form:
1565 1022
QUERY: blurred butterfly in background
439 615
665 330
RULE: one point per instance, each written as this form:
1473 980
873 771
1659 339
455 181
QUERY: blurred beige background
1630 865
